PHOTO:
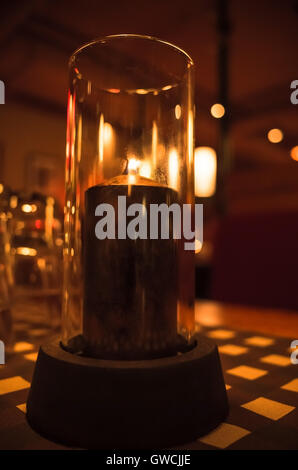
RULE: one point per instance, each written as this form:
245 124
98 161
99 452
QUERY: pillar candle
130 286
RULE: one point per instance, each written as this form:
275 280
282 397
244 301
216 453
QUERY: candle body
130 286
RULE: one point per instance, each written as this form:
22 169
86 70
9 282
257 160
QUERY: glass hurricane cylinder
129 133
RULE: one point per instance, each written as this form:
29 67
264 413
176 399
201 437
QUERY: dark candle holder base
104 404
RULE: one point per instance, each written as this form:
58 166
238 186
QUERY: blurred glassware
37 252
6 282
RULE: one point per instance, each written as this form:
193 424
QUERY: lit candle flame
133 165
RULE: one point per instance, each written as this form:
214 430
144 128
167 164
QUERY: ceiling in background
37 37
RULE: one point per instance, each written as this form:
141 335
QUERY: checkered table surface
261 382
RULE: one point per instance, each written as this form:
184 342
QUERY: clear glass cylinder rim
188 63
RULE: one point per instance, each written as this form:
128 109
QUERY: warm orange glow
205 171
294 153
108 132
217 110
26 251
167 87
133 165
59 242
28 208
190 138
1 188
70 135
13 202
141 91
101 138
22 346
178 111
105 137
79 144
131 180
69 113
114 90
154 142
145 169
186 318
173 168
41 263
49 217
275 136
198 246
136 166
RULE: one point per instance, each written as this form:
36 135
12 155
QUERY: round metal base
93 403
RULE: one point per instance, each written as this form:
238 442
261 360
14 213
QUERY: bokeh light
294 153
217 110
275 136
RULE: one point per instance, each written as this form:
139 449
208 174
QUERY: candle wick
125 171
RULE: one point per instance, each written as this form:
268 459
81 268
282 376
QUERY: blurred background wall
245 55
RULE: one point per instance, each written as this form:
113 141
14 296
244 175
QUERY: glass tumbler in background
37 257
6 283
